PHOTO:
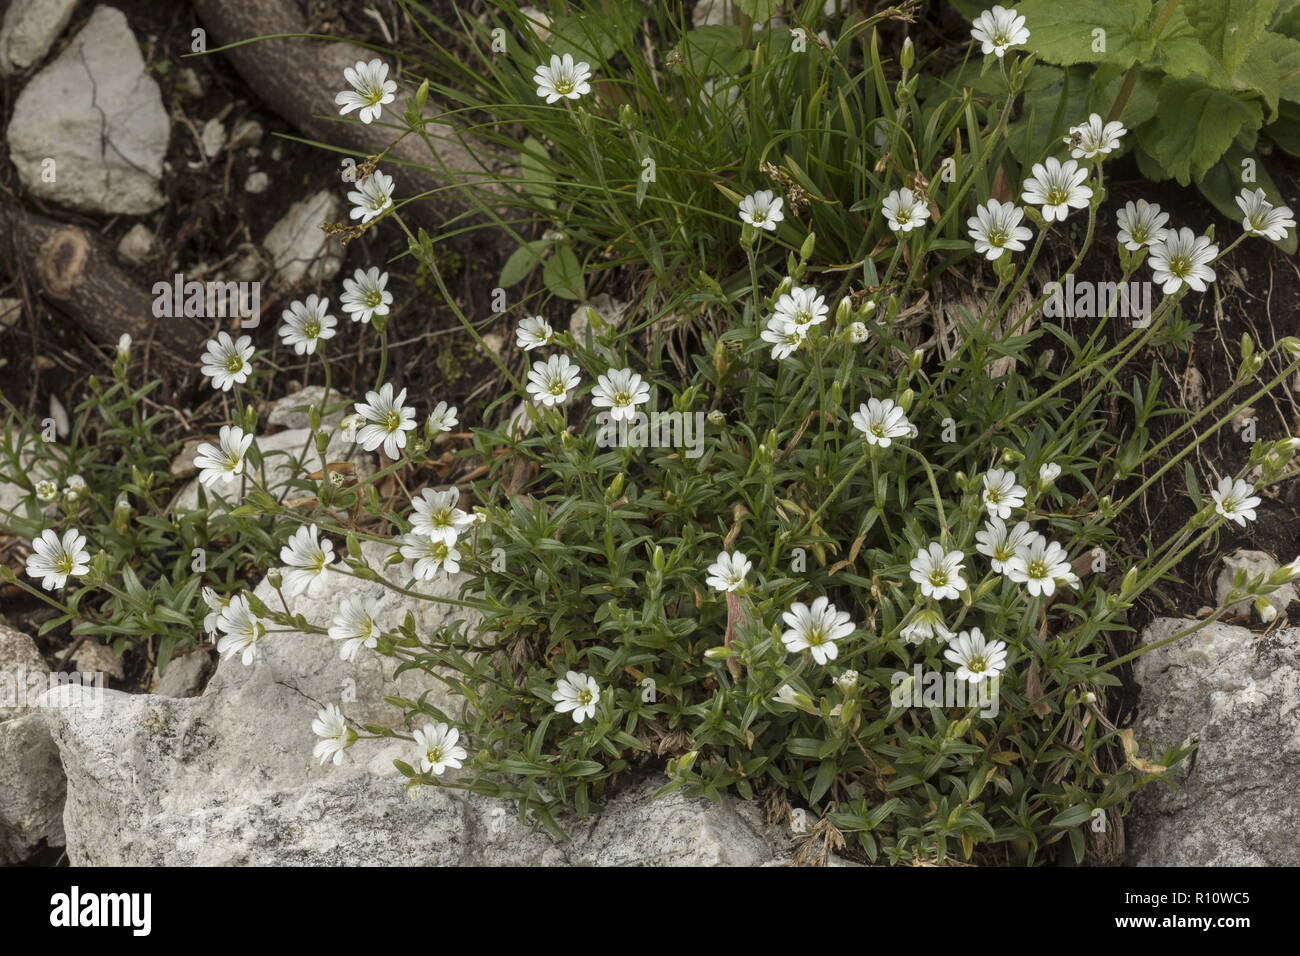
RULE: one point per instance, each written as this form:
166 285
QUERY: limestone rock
29 30
31 776
299 249
1254 563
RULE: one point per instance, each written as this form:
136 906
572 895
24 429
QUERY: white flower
388 421
1001 493
762 210
938 572
533 332
904 211
76 485
1048 472
1183 257
815 629
1234 499
336 736
1261 218
858 333
228 363
436 515
372 196
430 556
881 421
999 545
784 335
996 228
54 560
216 604
563 79
1039 564
998 30
308 558
242 629
371 91
1057 187
225 460
550 382
438 748
306 323
976 659
443 418
801 306
787 695
366 295
124 346
577 693
621 391
925 624
356 626
1095 137
728 572
1141 224
46 490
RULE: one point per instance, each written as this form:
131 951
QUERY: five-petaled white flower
430 556
306 323
356 625
242 629
976 659
938 572
387 421
563 79
996 228
1234 499
336 736
550 382
728 572
801 306
54 559
1000 544
904 211
815 629
1261 218
1095 137
438 748
925 624
372 196
308 557
576 693
227 361
366 295
881 421
533 332
442 418
1141 224
784 336
1183 257
224 460
371 91
1057 187
621 391
436 516
1039 564
762 210
998 30
1001 493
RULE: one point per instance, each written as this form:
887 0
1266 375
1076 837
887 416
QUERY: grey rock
184 675
30 29
93 657
299 248
283 413
137 247
1254 563
213 137
31 776
257 183
1237 694
98 115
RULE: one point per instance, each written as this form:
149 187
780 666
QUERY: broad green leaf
1194 126
1229 28
1273 68
521 262
1048 113
563 275
760 11
1087 31
1179 52
712 50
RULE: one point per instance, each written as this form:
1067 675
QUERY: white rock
610 311
93 657
289 411
31 777
257 182
184 674
30 29
213 137
137 247
1238 695
97 115
1254 563
298 247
